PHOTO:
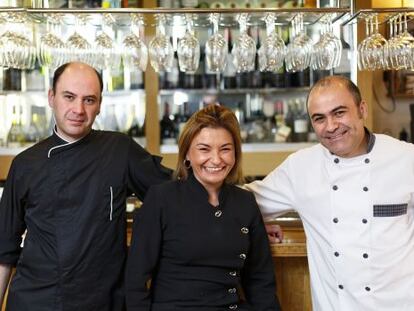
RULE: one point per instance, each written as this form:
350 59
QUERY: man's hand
274 233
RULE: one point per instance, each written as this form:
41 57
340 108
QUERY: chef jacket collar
60 144
201 192
371 140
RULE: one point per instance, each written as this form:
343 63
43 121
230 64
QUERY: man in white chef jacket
355 195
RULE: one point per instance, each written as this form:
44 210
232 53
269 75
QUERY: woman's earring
187 164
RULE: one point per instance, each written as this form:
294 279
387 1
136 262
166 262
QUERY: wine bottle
182 117
167 127
32 134
300 122
15 136
137 131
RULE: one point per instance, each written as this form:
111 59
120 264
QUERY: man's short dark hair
62 68
330 80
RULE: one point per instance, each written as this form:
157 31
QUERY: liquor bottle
32 134
12 79
136 131
182 117
300 122
199 79
167 127
229 74
210 78
15 136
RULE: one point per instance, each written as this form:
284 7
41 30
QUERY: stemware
188 50
161 51
106 54
216 48
135 52
273 50
51 49
244 48
299 49
16 47
78 47
326 53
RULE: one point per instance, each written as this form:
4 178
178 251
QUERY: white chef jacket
357 214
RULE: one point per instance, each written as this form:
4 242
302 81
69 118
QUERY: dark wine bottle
167 127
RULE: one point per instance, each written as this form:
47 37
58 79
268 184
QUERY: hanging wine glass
273 50
51 51
244 48
161 51
326 53
188 49
135 52
16 47
299 49
216 48
106 54
78 48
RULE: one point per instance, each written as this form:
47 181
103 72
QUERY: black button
364 221
365 255
336 254
366 160
367 289
341 286
335 187
335 220
336 160
365 189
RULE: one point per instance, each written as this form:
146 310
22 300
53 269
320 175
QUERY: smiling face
75 101
212 156
337 120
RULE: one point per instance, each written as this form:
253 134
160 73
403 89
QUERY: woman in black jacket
200 239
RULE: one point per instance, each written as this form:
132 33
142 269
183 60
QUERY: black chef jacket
71 199
199 256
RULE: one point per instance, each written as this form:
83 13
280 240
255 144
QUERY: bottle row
276 122
261 118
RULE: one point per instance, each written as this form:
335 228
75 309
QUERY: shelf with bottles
275 119
26 118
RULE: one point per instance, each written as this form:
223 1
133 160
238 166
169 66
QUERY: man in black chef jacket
69 193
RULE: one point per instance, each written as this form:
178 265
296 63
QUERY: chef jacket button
218 213
340 286
242 256
233 273
365 189
335 220
365 255
367 289
335 187
336 254
232 290
233 307
336 160
366 160
244 230
364 221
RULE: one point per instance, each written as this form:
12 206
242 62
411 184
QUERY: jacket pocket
390 210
